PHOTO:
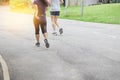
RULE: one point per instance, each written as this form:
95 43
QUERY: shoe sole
55 34
38 45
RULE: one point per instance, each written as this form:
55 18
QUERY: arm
48 2
61 1
36 11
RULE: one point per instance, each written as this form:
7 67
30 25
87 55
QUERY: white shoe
54 33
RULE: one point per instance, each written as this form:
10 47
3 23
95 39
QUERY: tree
4 2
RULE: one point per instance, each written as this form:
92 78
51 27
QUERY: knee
44 30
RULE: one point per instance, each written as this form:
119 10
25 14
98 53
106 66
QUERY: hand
61 1
49 2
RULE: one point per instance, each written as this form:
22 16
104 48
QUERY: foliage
19 3
105 13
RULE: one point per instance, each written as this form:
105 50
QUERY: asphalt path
85 51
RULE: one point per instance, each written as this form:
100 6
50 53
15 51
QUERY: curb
4 69
1 72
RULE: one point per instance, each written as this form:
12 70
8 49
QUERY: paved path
86 51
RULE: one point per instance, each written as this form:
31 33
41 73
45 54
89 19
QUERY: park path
86 51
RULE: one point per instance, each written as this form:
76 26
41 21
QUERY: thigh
42 19
36 25
55 18
36 22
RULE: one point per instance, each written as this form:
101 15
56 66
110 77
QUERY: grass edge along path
105 13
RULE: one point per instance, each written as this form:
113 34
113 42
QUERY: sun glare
14 22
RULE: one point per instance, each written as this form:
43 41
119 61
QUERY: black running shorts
54 13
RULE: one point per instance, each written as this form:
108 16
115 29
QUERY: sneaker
37 44
61 30
54 33
46 43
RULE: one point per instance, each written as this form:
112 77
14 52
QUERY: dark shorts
54 13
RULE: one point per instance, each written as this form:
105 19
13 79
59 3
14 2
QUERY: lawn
105 13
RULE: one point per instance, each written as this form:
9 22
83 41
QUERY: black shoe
46 43
37 44
60 30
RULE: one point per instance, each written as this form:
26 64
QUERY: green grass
105 13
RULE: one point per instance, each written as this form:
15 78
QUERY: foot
54 33
61 30
37 44
46 43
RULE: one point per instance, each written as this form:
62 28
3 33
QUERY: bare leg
45 36
37 38
56 21
53 23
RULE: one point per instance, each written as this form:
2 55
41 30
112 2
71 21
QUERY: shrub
20 3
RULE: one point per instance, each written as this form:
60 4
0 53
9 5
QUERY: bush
20 3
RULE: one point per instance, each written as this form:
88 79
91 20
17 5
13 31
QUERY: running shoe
37 44
54 33
46 43
61 30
